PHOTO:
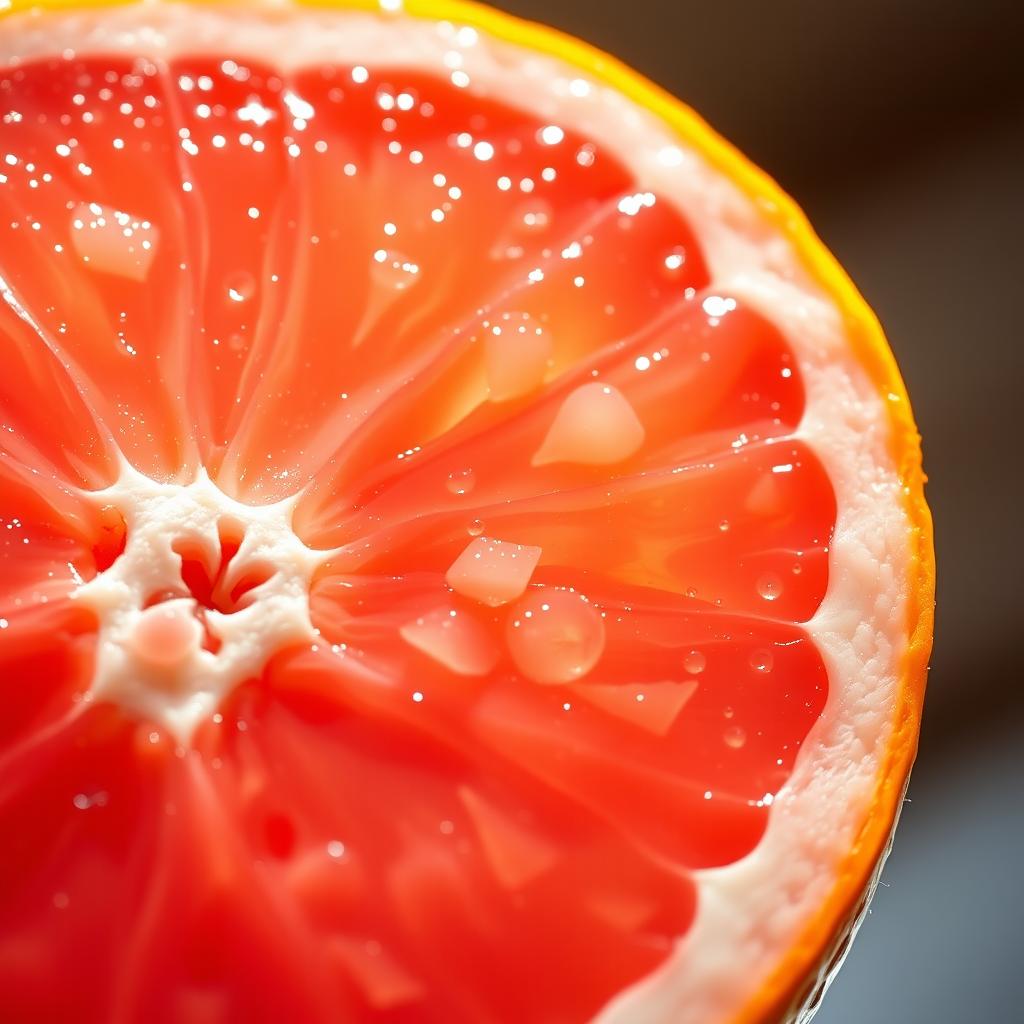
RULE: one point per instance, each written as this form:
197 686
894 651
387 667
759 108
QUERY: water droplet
335 849
762 660
727 712
695 663
555 636
461 482
475 528
240 286
724 526
393 271
797 568
769 586
534 217
84 801
674 264
734 737
717 306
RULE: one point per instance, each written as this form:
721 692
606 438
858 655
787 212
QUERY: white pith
160 519
751 911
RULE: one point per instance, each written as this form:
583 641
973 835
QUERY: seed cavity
204 592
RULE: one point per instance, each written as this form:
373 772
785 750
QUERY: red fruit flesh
390 825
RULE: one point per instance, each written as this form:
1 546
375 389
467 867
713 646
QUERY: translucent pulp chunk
517 354
595 426
166 634
493 572
150 656
516 855
113 241
455 640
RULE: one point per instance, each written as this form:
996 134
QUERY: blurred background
899 128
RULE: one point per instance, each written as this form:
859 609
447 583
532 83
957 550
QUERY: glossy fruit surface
462 542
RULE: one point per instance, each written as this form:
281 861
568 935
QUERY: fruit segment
558 537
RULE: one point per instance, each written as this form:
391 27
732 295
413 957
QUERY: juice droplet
762 660
769 586
695 663
240 287
461 482
555 636
735 737
393 271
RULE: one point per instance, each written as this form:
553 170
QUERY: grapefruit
464 554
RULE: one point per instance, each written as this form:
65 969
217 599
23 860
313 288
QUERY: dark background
898 125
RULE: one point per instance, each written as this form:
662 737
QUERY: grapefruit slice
464 556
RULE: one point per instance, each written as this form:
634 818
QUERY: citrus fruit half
463 555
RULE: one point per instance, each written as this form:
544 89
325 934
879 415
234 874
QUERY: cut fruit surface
463 555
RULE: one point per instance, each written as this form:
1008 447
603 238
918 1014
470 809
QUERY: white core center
163 654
